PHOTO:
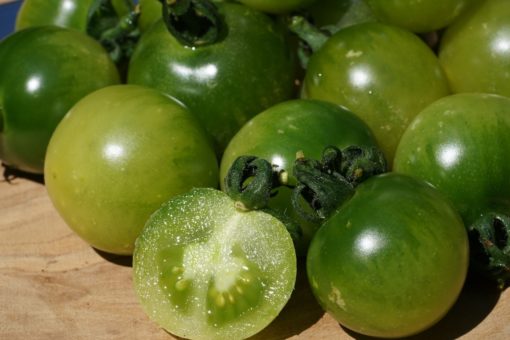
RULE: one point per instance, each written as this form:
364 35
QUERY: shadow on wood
120 260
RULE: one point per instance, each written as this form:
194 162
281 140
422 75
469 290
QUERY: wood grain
54 286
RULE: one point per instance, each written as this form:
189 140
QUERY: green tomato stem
325 185
115 27
193 22
262 179
490 247
311 37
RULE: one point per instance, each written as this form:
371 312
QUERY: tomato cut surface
203 269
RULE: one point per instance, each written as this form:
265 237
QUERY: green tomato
277 7
383 74
45 71
460 144
63 13
418 16
227 82
119 154
279 132
483 68
392 260
204 270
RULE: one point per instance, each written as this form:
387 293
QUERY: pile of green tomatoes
221 143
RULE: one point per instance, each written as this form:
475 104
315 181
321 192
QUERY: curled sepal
192 22
360 163
490 247
250 182
321 186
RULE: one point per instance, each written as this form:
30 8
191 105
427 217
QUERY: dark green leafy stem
251 182
116 30
311 38
324 185
193 22
490 247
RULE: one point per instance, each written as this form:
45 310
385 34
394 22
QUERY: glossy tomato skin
460 144
45 71
279 132
392 260
484 68
277 7
117 156
63 13
419 16
204 270
224 83
383 74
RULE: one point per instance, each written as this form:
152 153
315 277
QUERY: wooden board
54 286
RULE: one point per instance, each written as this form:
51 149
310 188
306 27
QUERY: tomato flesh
204 270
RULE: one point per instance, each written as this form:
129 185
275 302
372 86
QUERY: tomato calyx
114 25
326 184
489 238
251 182
261 178
192 22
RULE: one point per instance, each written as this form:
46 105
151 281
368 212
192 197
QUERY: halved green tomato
205 270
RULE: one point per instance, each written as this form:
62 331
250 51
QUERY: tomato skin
279 132
63 13
224 83
392 260
117 155
196 240
460 144
419 16
372 69
277 7
39 83
484 68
